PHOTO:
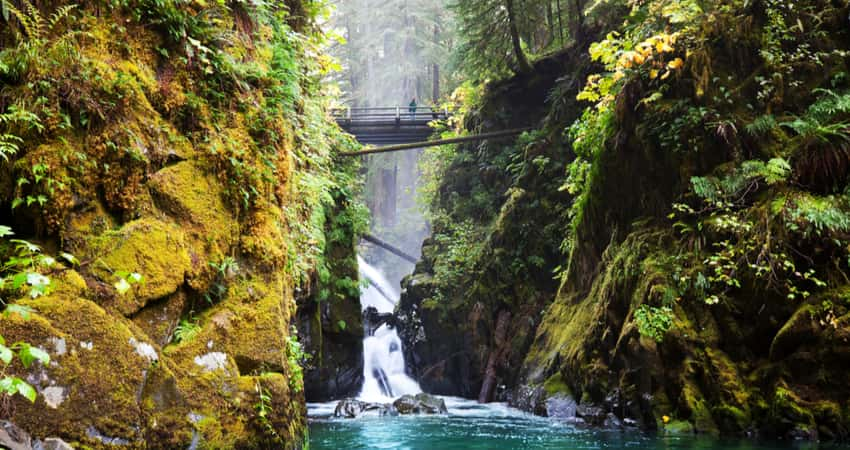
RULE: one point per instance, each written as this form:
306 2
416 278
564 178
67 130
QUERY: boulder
53 444
561 406
351 408
14 438
420 404
155 249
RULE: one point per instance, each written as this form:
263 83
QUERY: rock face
760 358
513 256
330 321
183 172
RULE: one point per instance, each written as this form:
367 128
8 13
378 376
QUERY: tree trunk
578 23
523 66
496 355
435 72
560 23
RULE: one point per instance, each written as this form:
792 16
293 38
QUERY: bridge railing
390 114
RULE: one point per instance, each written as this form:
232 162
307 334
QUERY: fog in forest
393 52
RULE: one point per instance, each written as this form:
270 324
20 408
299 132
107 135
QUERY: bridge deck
389 125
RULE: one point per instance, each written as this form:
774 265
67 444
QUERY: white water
384 378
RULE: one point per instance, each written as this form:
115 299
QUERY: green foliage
653 322
22 270
296 358
225 271
461 245
186 330
819 216
827 120
15 117
263 409
125 281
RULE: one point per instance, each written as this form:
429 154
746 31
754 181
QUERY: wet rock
529 399
14 438
593 415
351 408
420 404
561 406
52 444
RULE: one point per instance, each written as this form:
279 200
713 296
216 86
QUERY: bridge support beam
390 248
418 145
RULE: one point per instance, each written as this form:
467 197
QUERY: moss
695 404
153 248
555 385
678 427
96 364
789 412
193 197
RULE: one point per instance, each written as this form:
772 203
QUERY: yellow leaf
663 47
676 64
666 75
665 419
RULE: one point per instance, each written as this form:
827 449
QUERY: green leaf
7 385
70 258
30 354
23 311
18 280
5 354
5 231
122 286
26 390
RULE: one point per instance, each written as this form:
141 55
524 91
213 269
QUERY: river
470 426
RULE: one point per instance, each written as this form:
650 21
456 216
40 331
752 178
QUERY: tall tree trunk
523 66
578 22
500 344
560 23
435 70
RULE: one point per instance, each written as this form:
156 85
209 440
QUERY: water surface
470 426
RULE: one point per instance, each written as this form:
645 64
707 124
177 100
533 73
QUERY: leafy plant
224 271
653 322
295 357
186 330
126 281
264 409
22 271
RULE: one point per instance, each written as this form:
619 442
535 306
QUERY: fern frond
36 20
59 15
762 125
22 18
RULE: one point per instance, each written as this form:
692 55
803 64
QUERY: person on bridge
412 108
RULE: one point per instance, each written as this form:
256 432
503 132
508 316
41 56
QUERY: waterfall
384 378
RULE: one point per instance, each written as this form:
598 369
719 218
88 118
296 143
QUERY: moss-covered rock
156 249
99 365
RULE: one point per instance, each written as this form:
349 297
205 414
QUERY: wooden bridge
389 125
400 128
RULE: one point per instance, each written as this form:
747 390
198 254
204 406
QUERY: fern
186 331
762 125
822 120
820 215
34 25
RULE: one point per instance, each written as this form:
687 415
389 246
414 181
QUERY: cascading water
383 366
